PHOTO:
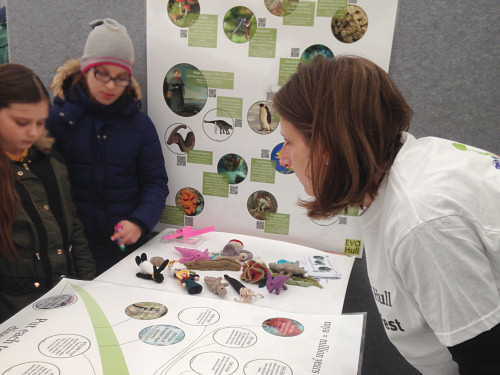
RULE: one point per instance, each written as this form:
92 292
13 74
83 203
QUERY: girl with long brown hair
41 239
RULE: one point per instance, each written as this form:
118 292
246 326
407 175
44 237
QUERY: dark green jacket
48 235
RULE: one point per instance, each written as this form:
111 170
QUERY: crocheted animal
187 279
287 268
246 295
234 248
216 285
148 270
219 264
191 254
274 284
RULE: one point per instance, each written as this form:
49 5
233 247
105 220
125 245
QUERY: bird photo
260 118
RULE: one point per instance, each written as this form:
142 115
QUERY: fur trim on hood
45 142
73 66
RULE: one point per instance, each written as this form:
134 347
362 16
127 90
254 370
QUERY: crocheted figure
235 248
191 254
187 279
246 295
218 264
216 285
287 268
148 270
274 284
254 271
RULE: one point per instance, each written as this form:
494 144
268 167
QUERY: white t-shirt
432 240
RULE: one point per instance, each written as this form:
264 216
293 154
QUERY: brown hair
351 115
18 84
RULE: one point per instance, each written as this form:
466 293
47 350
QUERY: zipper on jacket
25 165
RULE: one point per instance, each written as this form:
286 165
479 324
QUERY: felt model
148 270
254 271
287 268
187 279
191 254
274 284
218 264
246 295
216 285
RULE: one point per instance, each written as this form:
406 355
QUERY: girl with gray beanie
111 147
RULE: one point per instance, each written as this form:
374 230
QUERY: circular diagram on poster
64 346
219 363
29 368
239 24
146 310
260 202
260 118
314 50
183 13
218 125
185 90
161 335
56 302
352 27
190 200
179 139
326 222
266 366
199 316
234 166
235 337
276 156
281 8
283 327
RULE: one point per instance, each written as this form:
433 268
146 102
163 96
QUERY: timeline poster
213 67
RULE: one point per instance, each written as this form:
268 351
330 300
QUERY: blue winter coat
114 158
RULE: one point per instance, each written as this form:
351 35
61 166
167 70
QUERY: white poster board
213 66
94 328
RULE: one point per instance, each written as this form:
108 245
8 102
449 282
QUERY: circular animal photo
284 327
234 166
179 139
183 13
239 24
146 310
185 90
352 27
190 200
260 202
316 49
218 125
281 8
261 119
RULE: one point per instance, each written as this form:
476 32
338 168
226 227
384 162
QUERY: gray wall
445 60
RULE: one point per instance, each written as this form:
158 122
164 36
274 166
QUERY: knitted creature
246 295
274 284
235 248
287 268
216 285
219 264
148 270
191 254
186 278
254 271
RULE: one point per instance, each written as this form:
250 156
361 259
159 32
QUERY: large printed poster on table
213 66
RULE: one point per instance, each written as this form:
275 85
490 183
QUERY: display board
213 67
102 328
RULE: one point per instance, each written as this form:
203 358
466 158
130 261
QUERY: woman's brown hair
351 115
18 84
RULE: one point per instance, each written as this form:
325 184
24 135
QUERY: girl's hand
129 233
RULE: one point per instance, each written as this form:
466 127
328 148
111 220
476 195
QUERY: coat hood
45 142
72 67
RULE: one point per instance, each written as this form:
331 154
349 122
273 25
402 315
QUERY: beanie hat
108 43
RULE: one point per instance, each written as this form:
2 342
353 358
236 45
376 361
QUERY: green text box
352 246
287 68
302 15
332 8
173 215
263 170
195 77
263 43
219 80
277 223
203 33
200 157
229 106
216 184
